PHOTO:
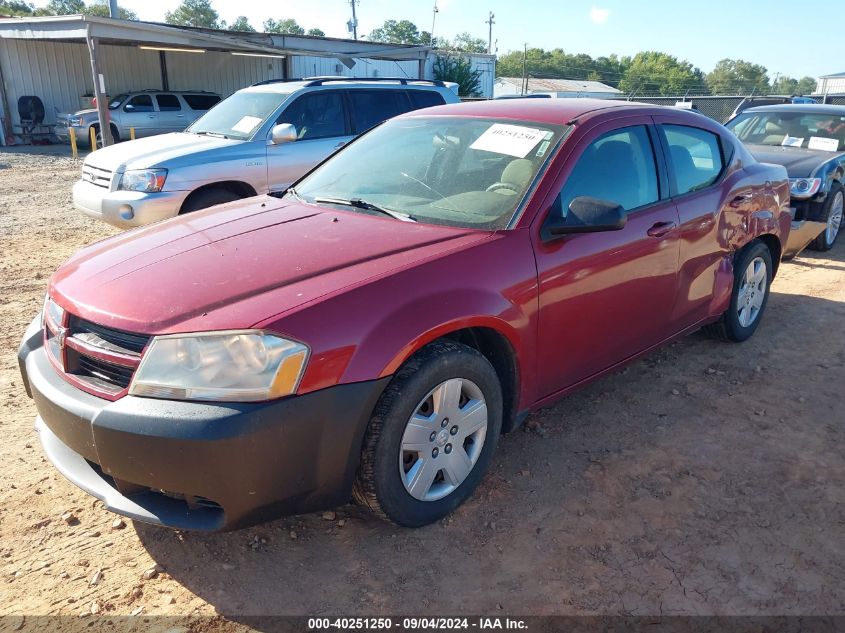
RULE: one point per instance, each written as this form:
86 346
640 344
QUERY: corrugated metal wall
60 73
305 66
485 64
222 73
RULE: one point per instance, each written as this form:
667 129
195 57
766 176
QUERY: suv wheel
752 280
207 198
432 435
115 135
832 216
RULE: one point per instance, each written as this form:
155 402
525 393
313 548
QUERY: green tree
463 42
241 24
194 13
653 71
16 8
100 8
737 76
288 26
62 7
806 86
785 86
558 64
458 69
399 32
316 32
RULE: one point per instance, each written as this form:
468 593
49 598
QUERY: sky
761 31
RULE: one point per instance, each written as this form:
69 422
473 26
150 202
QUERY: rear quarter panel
766 216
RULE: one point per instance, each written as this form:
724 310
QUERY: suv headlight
146 180
237 366
804 187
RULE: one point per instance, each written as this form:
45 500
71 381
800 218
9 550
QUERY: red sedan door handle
660 229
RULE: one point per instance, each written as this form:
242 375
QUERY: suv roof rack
319 81
171 91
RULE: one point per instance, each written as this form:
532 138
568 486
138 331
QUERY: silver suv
260 139
149 112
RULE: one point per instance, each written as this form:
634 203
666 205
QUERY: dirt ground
708 478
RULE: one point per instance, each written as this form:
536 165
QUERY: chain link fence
721 107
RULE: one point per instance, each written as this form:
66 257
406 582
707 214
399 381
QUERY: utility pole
113 10
524 85
490 22
352 25
433 18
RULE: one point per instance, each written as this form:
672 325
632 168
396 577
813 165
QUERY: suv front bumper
200 466
126 209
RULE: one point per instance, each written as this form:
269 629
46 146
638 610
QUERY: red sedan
372 332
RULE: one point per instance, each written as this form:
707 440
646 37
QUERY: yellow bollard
132 134
73 150
92 133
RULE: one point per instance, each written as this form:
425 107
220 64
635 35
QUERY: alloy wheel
752 292
834 218
443 439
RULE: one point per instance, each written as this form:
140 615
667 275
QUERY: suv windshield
818 131
114 104
239 116
467 172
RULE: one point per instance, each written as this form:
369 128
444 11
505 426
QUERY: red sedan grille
98 359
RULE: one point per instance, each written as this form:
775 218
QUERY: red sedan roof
555 111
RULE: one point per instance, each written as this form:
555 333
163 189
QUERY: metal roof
132 32
560 85
833 76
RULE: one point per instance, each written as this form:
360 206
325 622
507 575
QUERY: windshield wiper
205 133
358 203
294 193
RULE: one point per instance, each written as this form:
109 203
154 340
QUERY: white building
559 88
831 84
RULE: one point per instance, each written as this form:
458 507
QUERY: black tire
208 198
822 243
379 486
729 327
115 135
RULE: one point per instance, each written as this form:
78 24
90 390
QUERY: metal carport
60 55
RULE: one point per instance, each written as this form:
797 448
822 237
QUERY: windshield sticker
822 143
511 140
246 125
792 141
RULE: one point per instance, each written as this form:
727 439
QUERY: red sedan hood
238 264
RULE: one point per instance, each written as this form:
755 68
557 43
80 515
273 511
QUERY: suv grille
96 176
97 358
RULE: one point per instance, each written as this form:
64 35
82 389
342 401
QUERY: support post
99 91
74 152
162 62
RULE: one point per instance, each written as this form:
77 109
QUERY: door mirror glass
283 133
129 108
587 215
